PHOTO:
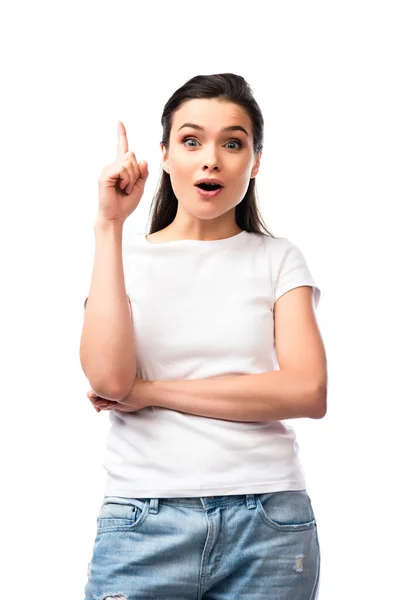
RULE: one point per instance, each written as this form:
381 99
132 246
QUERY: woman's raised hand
121 183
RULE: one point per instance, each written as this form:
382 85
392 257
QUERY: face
210 152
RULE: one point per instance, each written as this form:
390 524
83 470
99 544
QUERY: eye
235 142
186 139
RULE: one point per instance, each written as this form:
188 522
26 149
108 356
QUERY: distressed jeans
240 547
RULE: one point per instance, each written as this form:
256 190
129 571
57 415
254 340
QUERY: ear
256 165
164 158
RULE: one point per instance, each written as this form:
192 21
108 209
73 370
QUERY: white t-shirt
202 309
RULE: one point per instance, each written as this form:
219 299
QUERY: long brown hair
226 87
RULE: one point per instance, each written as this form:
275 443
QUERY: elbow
116 391
110 386
122 390
319 403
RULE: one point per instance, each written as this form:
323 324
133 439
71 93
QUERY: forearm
107 342
270 396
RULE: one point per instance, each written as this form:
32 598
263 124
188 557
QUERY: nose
211 158
212 165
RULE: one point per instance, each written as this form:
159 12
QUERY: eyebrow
230 128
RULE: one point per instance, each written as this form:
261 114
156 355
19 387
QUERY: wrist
102 224
151 394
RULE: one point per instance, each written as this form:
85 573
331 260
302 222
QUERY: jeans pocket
289 510
121 514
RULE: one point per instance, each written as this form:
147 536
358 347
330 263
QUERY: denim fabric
240 547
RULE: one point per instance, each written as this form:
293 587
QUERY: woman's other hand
135 401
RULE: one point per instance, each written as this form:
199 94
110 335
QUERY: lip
209 194
209 180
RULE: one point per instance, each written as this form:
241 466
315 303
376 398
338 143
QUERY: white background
326 76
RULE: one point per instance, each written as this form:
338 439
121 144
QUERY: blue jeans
239 547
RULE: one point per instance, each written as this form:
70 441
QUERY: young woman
201 339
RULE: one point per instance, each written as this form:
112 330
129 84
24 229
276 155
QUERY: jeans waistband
204 502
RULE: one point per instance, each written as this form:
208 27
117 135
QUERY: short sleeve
292 271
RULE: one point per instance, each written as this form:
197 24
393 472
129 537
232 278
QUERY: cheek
182 172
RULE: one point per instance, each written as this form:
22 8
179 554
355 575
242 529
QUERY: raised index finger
122 147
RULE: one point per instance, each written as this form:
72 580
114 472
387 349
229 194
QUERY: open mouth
209 187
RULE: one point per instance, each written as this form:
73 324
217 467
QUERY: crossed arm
271 396
298 389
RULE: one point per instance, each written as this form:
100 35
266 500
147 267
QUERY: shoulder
280 251
278 245
131 240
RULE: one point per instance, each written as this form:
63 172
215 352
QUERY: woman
200 338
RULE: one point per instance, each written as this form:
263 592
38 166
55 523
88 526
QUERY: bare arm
271 396
107 351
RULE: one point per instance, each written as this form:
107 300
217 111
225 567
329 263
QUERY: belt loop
154 505
250 501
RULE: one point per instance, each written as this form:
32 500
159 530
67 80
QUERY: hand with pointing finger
121 183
